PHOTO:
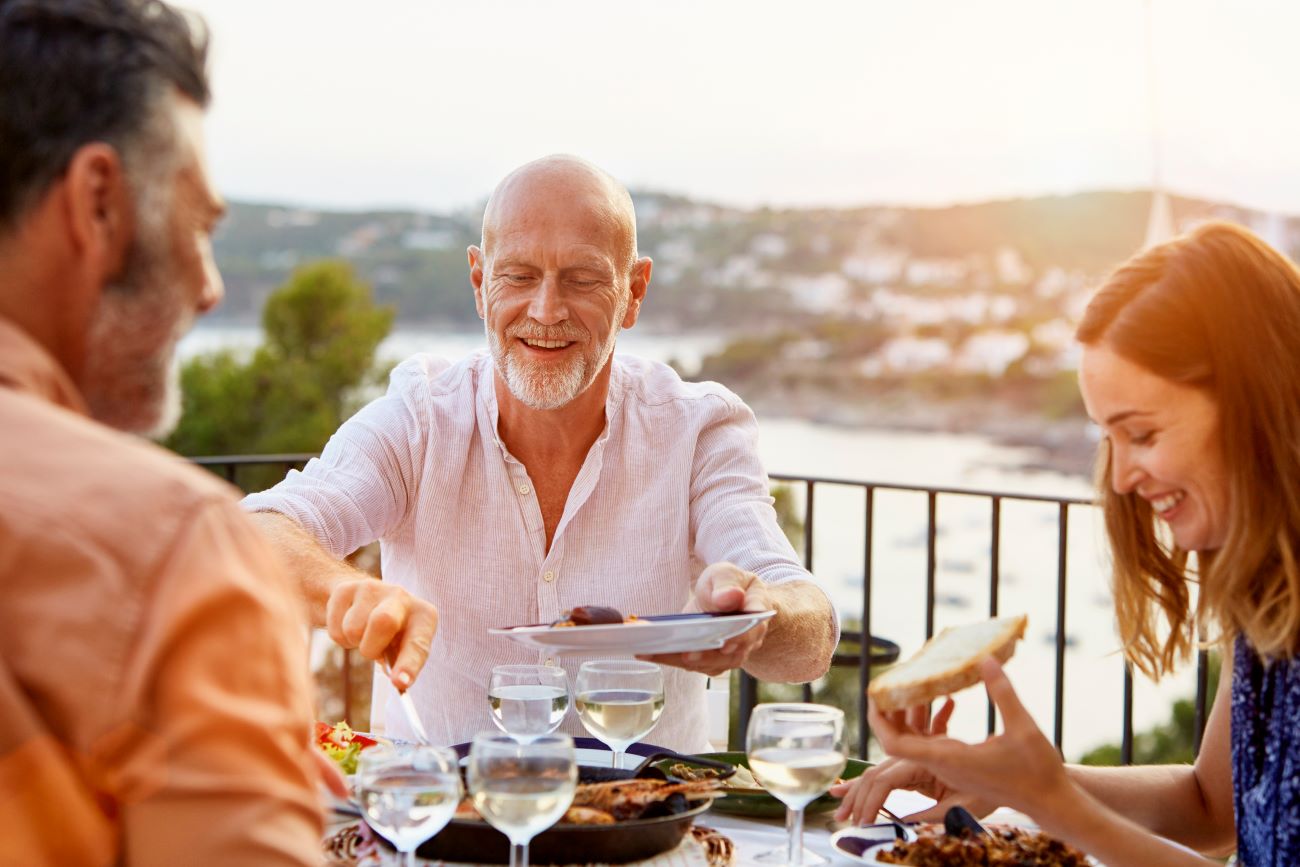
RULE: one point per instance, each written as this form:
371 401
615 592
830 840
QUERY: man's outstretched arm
794 646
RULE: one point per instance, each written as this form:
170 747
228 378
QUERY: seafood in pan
620 800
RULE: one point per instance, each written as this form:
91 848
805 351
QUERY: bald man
543 474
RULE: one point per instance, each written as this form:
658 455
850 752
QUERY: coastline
1062 445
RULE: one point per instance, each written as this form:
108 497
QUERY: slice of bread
946 663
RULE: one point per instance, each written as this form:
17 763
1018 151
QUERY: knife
408 710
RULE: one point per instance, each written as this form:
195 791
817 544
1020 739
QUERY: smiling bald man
546 473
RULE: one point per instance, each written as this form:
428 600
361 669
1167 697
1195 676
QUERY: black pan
474 840
634 840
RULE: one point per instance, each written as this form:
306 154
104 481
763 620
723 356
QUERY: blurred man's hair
73 72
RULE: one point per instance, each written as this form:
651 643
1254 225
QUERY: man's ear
638 285
99 209
475 256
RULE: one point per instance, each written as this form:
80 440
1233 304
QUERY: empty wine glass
522 789
796 751
528 700
408 793
619 701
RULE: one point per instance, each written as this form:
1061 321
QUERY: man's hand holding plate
724 588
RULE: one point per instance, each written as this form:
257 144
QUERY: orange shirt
154 696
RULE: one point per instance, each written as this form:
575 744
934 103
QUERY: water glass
796 751
619 701
528 700
408 793
522 789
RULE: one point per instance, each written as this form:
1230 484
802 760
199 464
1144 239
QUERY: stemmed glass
796 751
522 789
619 701
528 700
408 793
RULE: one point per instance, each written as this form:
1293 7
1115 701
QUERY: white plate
868 839
664 633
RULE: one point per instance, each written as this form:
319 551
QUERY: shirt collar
25 366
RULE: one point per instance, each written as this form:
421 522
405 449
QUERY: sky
427 103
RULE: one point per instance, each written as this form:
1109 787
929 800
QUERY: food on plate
948 662
630 799
572 816
342 744
620 800
1002 845
743 778
587 816
593 615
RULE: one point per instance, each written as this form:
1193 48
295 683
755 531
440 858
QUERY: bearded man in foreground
543 474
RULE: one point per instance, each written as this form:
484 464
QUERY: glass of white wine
528 700
796 751
408 793
522 789
619 701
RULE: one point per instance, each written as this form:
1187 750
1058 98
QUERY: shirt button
549 577
524 489
550 662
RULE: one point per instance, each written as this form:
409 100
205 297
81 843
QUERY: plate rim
544 629
847 832
760 796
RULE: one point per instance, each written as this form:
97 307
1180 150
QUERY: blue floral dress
1266 759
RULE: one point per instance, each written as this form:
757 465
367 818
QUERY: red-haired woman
1191 367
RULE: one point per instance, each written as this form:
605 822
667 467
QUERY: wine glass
528 700
522 789
796 751
619 701
408 793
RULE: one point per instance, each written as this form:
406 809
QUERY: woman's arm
1191 804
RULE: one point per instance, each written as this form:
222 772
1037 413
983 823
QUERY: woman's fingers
866 795
999 687
939 725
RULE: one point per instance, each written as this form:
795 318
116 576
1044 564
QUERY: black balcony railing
873 649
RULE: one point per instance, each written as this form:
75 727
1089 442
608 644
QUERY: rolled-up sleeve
732 518
361 487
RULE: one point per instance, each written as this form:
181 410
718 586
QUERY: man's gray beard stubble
132 379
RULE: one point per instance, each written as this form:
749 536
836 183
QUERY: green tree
321 330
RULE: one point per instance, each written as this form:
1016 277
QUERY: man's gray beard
132 379
534 386
539 387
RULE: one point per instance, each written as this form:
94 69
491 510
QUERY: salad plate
658 633
753 800
343 745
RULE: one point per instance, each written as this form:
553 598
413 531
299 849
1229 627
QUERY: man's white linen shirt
672 484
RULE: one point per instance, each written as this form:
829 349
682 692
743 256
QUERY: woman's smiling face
1164 445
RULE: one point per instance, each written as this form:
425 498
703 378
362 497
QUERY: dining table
750 836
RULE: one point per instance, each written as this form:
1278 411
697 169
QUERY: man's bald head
530 190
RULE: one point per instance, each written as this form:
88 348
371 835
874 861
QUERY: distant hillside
717 266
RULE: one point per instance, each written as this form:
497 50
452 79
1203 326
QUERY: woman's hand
1018 768
864 796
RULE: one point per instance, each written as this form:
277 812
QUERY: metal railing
871 648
